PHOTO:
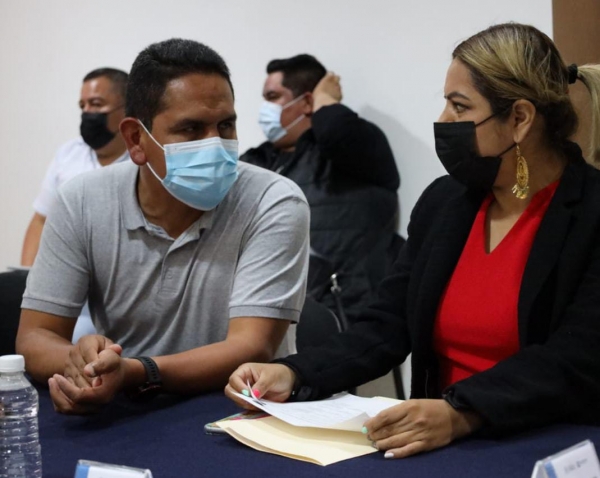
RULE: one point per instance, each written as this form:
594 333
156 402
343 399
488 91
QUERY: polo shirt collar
131 212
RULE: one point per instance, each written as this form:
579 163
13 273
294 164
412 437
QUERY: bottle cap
12 363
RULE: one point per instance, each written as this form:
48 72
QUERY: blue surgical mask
199 173
269 119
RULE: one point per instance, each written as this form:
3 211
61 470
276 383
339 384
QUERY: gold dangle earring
521 189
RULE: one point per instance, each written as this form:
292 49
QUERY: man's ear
523 117
132 134
307 103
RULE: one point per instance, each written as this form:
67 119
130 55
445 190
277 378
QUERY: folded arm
85 375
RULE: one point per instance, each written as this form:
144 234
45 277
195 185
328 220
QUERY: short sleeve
58 281
270 279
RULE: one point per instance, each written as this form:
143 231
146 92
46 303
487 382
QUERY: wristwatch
153 384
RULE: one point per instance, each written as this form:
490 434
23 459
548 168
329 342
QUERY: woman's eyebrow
456 94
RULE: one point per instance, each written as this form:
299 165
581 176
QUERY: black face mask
455 144
94 130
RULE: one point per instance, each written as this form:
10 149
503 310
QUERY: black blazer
556 373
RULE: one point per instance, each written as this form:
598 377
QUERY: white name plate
94 469
579 461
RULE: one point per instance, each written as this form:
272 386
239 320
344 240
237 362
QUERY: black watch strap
152 373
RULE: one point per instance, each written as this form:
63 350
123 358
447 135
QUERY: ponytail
590 77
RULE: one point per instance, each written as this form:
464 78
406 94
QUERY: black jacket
346 169
555 376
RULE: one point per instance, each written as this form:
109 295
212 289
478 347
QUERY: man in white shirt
102 104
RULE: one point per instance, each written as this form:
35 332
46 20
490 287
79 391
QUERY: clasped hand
94 372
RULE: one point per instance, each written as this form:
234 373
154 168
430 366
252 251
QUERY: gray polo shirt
154 295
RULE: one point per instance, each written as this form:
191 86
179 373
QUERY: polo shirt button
169 275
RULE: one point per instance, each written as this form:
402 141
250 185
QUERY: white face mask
269 119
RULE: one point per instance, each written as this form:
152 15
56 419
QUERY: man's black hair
301 73
162 62
117 77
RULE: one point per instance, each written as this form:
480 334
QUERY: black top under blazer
555 375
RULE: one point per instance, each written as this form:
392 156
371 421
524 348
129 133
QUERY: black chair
322 283
397 374
12 286
317 323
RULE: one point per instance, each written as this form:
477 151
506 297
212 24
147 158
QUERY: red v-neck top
477 320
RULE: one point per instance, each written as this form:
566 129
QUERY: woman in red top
497 290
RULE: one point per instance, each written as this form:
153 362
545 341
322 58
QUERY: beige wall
392 57
576 25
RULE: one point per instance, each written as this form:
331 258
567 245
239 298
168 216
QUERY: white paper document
340 412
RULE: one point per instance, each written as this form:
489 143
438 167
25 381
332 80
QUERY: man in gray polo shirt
192 263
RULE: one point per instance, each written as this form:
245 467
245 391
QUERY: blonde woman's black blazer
555 376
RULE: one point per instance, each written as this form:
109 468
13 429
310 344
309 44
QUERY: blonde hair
512 61
590 77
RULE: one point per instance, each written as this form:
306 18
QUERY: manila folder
315 445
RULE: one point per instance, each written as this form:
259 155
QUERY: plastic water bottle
20 452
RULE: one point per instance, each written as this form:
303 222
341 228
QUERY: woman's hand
269 381
419 425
